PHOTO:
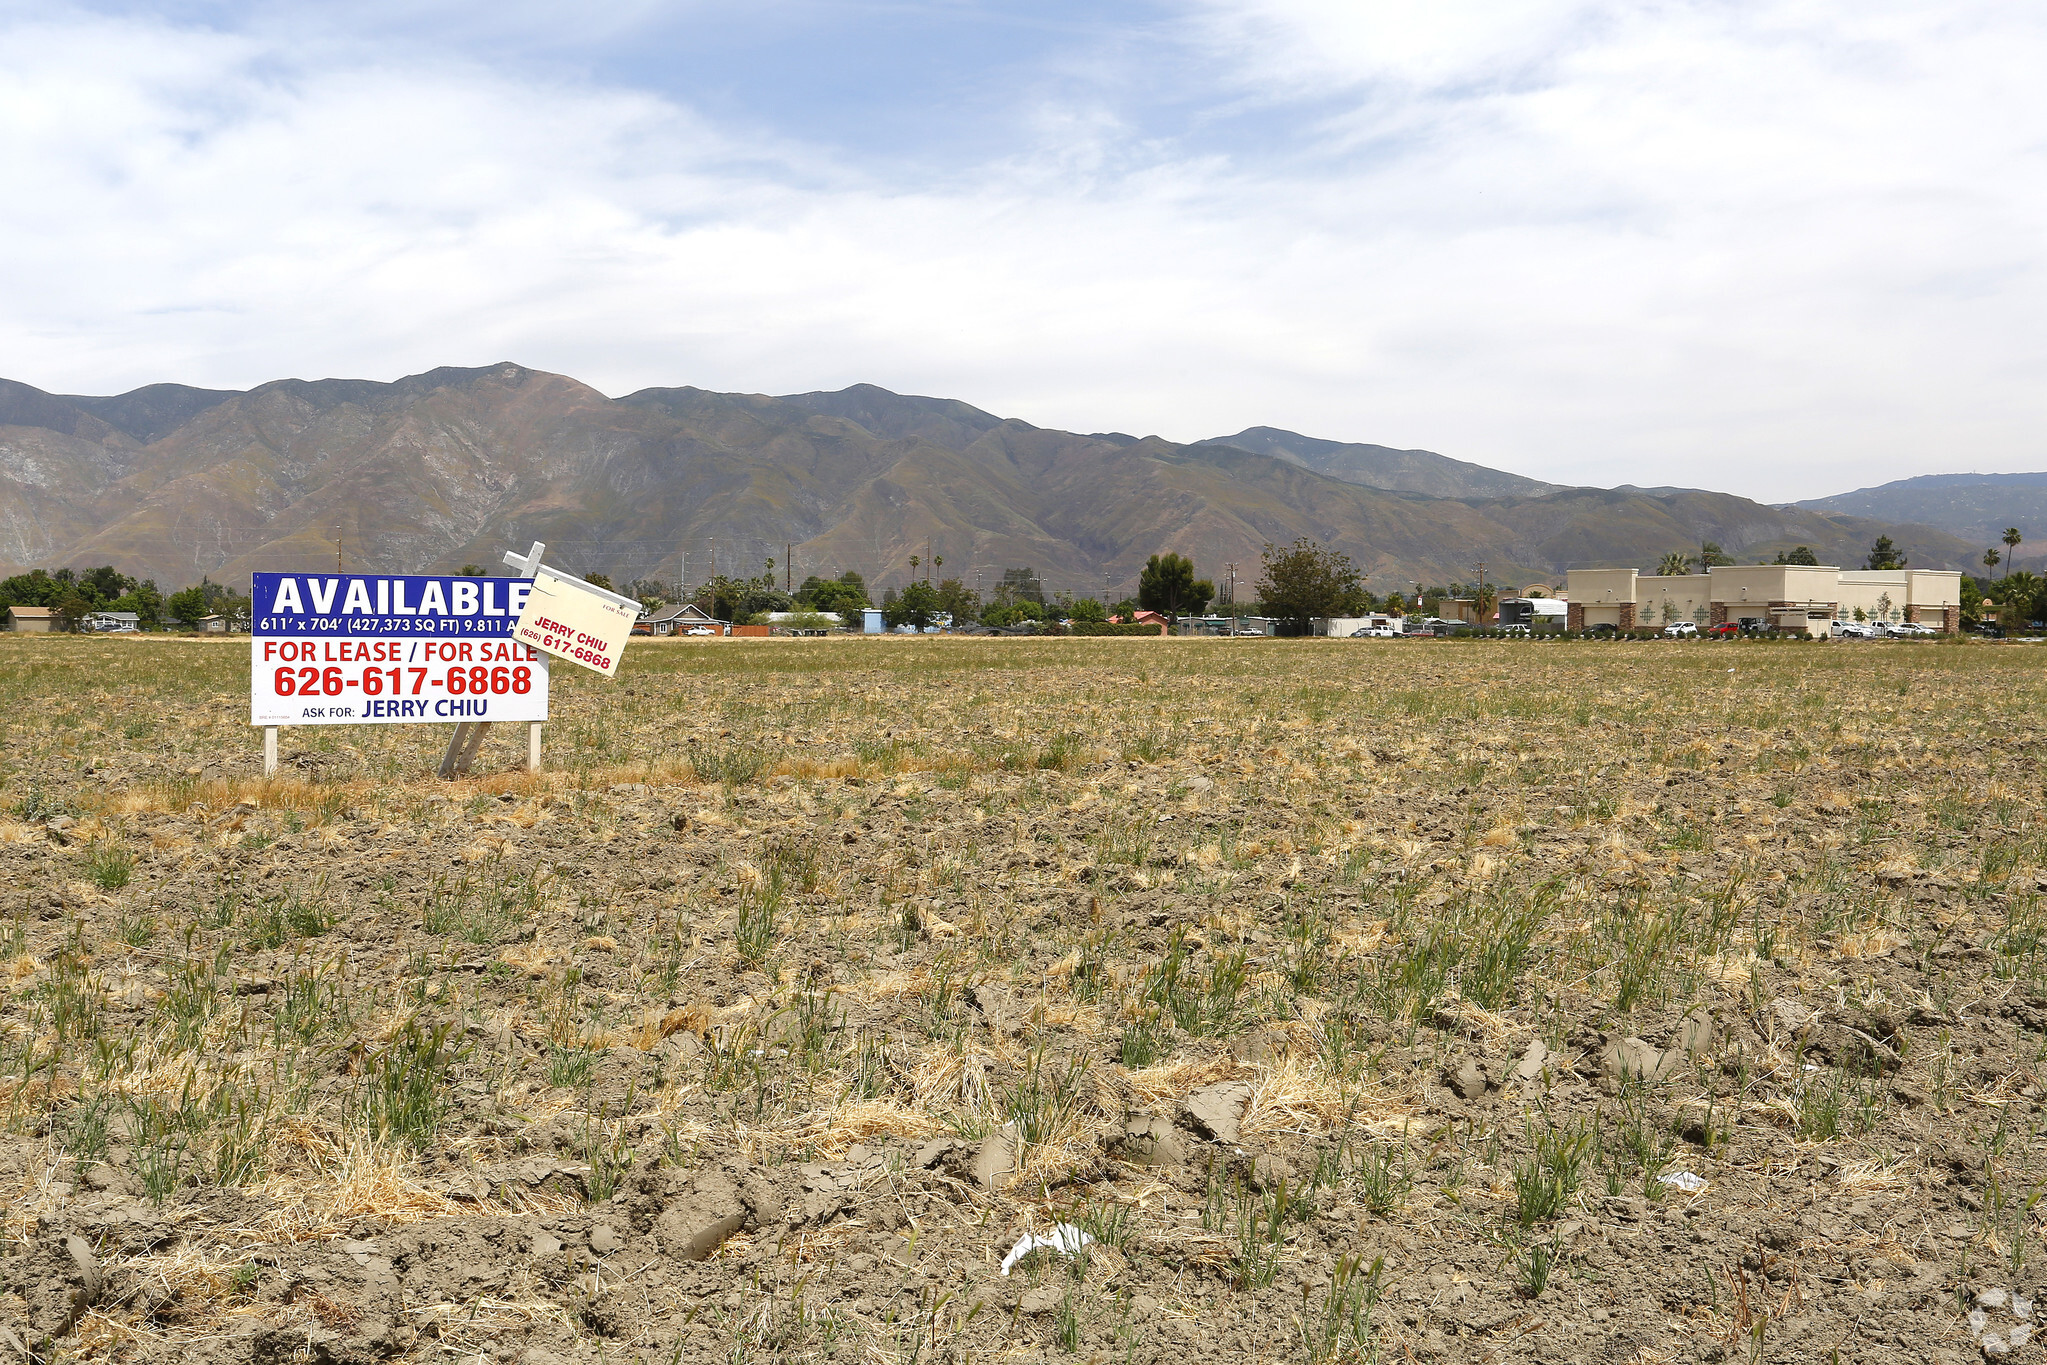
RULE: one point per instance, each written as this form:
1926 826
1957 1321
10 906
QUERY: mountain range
1404 471
452 466
1974 507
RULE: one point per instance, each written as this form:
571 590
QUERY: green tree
958 600
1797 555
1087 611
1711 555
917 605
807 620
1167 585
32 589
187 605
1303 581
599 580
1675 565
2011 543
472 571
739 600
835 595
1015 611
1991 558
72 607
102 585
2019 599
1885 555
239 610
144 600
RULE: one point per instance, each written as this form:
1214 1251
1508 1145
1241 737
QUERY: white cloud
1778 248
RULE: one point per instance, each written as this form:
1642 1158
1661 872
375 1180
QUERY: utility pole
1478 599
337 547
788 564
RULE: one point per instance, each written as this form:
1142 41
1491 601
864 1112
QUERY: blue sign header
389 606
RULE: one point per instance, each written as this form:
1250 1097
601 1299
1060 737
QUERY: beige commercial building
1785 596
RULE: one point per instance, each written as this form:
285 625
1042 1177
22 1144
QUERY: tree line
71 595
1300 582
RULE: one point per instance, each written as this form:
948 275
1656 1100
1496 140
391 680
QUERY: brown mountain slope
452 466
1402 471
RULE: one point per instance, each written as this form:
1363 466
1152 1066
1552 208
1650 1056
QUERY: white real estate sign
368 649
578 621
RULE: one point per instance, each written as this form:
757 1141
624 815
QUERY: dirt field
1434 1001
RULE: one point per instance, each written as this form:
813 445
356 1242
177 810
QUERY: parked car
1680 630
1912 628
1725 630
1989 628
700 630
1374 633
1853 630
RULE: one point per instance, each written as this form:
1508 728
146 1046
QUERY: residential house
681 620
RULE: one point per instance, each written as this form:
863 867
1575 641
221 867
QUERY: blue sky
1781 247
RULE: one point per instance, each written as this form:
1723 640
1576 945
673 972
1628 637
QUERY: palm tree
2011 544
937 563
1485 598
915 560
1674 565
1991 557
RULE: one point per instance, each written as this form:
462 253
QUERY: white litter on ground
2000 1343
1685 1180
1066 1239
